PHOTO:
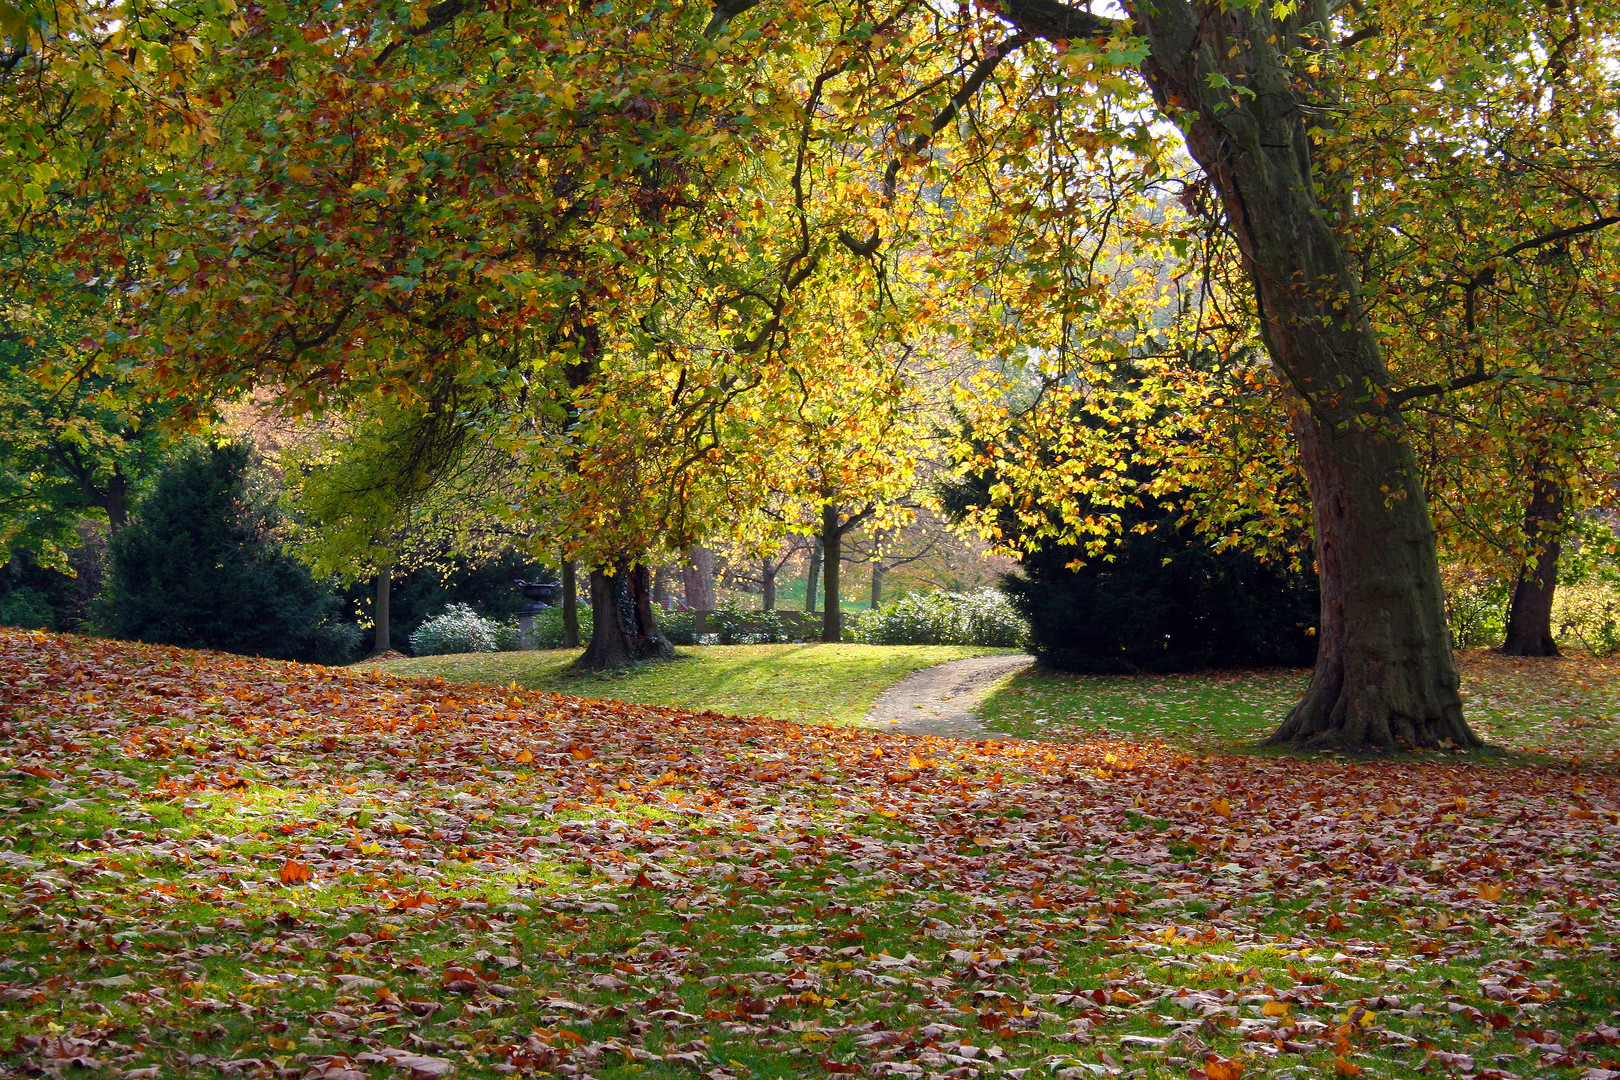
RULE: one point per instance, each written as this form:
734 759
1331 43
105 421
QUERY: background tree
395 489
202 565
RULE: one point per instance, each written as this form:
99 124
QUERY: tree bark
379 610
877 585
832 537
1385 674
812 579
624 630
570 604
1529 624
767 573
697 578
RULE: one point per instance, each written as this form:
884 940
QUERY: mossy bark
624 629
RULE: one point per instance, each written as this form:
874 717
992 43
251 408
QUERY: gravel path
939 700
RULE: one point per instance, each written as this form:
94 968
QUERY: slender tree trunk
831 562
877 585
1385 675
697 579
1529 625
660 587
379 609
767 573
570 604
624 630
117 502
812 579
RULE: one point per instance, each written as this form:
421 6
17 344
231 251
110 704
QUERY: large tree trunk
767 573
832 538
570 604
1385 675
1529 624
812 578
697 579
379 610
624 630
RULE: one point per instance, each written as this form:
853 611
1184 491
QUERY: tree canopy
1332 234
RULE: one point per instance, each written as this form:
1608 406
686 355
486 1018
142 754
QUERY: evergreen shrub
201 565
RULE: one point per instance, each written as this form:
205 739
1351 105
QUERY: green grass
1560 708
811 683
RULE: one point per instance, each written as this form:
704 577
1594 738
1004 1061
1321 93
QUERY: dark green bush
201 566
1167 602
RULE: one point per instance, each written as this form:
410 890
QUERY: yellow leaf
1274 1008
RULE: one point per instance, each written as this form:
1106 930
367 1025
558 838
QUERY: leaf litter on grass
222 866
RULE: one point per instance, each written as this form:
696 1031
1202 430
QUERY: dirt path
940 700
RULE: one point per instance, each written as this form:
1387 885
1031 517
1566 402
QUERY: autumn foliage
218 865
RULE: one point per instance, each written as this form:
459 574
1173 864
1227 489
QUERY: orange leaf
1490 890
1219 1068
1220 808
40 771
1345 1068
523 757
582 753
294 873
1274 1008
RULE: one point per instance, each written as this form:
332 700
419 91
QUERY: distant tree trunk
877 585
570 604
1529 624
660 587
767 572
117 501
697 578
379 609
832 538
813 577
624 630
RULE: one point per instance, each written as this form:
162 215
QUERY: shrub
26 608
459 629
1167 602
547 632
202 566
680 627
1587 615
978 618
1476 608
746 626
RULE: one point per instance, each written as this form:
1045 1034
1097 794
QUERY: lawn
834 684
216 866
1566 708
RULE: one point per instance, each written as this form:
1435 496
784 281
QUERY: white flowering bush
977 618
458 629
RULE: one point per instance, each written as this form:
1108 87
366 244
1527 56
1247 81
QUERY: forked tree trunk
624 630
1529 624
1385 675
832 539
570 604
379 610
